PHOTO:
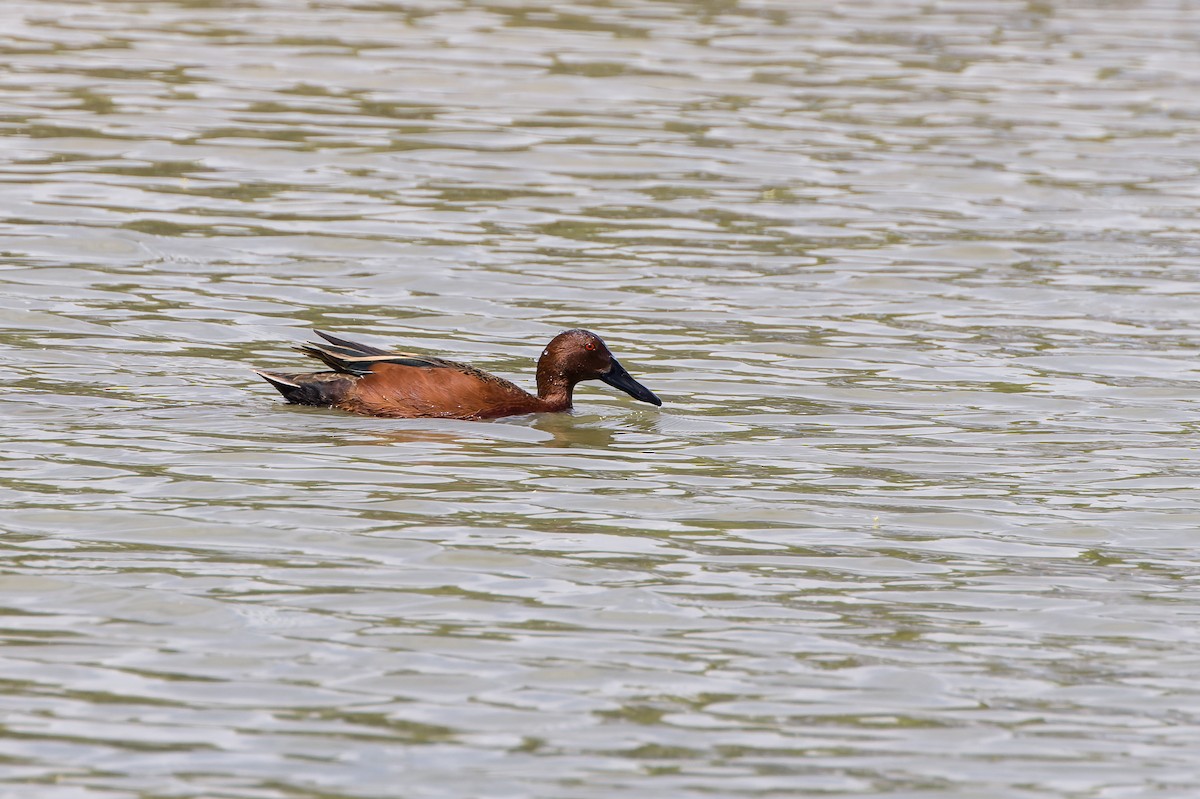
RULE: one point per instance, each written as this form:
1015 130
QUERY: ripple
916 285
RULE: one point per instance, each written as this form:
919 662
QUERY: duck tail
318 388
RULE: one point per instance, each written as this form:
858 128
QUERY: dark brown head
576 355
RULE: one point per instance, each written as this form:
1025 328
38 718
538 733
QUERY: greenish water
916 282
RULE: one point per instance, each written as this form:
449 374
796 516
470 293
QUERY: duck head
577 355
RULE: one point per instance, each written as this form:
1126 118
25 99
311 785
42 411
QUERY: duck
370 381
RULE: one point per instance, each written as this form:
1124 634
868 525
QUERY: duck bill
617 377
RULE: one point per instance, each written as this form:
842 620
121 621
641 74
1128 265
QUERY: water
917 283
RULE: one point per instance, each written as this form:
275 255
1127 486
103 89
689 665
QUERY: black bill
617 377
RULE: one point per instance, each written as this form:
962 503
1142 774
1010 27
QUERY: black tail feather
317 388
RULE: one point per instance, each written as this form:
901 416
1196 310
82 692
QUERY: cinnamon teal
374 382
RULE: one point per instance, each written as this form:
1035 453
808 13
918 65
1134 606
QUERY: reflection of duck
375 382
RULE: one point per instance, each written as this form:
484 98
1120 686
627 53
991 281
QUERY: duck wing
350 347
350 357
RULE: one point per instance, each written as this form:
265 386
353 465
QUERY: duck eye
591 345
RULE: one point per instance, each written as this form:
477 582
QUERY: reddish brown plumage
373 382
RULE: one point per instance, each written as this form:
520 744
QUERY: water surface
916 282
